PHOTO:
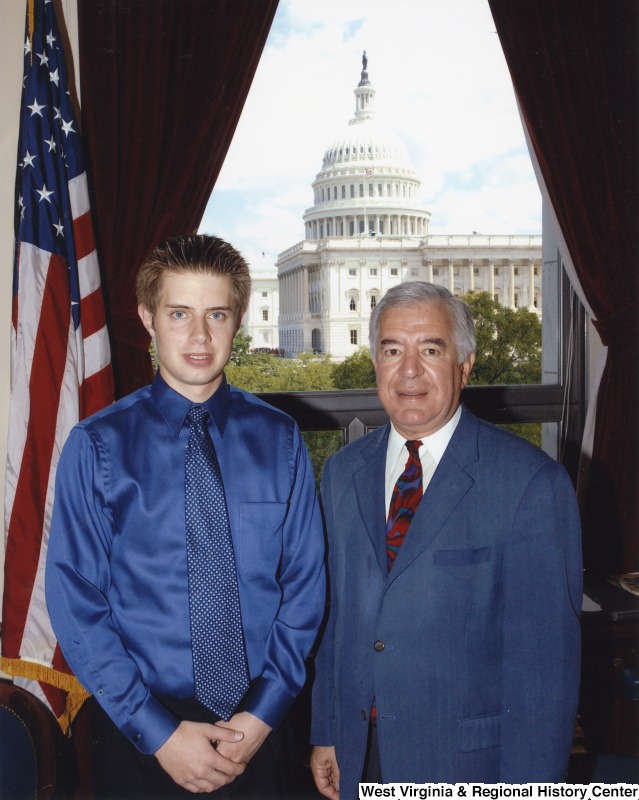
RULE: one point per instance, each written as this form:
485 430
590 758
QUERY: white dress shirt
430 454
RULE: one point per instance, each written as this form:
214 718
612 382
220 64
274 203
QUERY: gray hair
413 292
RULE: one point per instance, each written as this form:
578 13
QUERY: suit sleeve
323 702
542 586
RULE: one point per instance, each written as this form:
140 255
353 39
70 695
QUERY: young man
124 569
451 653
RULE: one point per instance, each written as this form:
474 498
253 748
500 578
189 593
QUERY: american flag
60 357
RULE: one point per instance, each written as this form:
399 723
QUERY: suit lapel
447 487
368 482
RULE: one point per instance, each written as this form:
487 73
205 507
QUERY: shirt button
136 738
363 714
379 646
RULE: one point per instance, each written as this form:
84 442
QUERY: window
361 190
370 189
414 271
265 315
373 272
264 294
488 279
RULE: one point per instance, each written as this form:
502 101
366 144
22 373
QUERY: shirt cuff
150 727
268 701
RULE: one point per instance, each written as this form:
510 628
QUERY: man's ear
147 319
467 368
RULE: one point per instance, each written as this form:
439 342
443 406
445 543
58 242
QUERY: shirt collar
174 406
436 443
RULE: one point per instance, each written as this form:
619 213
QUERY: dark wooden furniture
609 707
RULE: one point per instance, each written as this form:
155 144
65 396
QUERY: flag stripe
83 235
93 319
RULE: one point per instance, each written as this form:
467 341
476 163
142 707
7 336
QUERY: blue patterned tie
219 655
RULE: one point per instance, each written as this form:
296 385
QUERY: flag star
57 114
27 46
28 159
44 193
44 58
54 77
51 143
59 228
35 108
67 127
51 39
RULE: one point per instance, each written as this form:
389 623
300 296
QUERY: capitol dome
366 185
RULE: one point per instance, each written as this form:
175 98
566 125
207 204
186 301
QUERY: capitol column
511 287
451 276
531 284
491 279
429 269
471 275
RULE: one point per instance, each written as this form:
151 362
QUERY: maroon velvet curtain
575 69
163 85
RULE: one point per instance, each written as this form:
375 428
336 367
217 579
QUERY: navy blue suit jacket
477 679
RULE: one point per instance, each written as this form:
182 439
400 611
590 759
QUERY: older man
451 653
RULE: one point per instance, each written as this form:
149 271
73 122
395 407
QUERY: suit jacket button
379 646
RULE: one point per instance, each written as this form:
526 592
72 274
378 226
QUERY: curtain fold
574 66
163 86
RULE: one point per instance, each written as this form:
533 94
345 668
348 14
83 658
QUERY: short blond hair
199 253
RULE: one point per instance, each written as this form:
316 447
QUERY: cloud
442 84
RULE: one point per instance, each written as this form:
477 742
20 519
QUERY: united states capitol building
365 232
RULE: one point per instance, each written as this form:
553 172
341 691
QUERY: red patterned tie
406 496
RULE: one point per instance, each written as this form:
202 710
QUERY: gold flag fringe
31 14
76 694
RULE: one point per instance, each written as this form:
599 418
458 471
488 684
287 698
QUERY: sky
441 83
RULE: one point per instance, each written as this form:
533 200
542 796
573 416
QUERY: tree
508 342
241 348
355 372
261 372
508 350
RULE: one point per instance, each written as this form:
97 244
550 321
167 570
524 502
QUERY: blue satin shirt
116 574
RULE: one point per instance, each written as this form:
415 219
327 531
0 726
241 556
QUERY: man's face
419 379
194 326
